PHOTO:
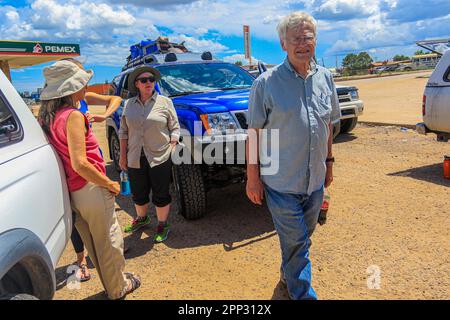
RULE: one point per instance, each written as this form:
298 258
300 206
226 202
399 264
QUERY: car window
124 92
114 85
447 75
10 129
202 77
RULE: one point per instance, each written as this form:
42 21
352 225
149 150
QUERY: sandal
84 273
134 281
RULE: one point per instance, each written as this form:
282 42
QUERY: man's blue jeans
295 218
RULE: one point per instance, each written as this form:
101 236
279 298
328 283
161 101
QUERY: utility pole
247 48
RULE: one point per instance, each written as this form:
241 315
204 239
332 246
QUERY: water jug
124 184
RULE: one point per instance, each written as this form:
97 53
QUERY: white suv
35 213
435 105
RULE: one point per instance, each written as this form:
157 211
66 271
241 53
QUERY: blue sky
106 28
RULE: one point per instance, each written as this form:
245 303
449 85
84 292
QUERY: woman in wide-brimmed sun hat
149 131
92 192
111 103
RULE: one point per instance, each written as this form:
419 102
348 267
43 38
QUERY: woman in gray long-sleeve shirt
149 130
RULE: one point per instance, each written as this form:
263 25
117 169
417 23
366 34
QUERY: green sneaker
137 223
162 232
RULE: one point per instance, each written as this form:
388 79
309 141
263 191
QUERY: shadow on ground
280 292
231 220
433 173
64 272
344 137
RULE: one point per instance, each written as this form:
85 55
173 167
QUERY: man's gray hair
294 20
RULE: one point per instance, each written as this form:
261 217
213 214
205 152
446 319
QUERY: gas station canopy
20 54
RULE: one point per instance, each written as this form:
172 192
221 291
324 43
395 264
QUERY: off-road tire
191 192
114 146
348 125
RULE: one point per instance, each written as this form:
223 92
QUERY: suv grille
344 97
347 112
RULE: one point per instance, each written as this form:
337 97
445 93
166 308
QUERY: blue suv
211 101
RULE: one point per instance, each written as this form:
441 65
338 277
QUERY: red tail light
424 103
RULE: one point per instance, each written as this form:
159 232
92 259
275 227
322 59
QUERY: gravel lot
389 209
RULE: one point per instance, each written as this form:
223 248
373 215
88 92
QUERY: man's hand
255 190
123 163
329 175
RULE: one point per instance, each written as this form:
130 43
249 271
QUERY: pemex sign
29 48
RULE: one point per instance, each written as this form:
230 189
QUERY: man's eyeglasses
146 79
306 39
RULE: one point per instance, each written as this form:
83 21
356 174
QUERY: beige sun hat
64 78
136 72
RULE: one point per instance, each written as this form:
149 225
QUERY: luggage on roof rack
142 52
159 46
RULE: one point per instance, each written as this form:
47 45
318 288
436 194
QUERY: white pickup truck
436 101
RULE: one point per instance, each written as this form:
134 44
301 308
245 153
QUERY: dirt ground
389 210
393 100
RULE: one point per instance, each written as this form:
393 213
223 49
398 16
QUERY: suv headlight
354 94
218 123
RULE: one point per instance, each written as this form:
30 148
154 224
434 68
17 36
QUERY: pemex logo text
37 48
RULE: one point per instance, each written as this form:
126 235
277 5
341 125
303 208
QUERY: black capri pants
77 243
146 179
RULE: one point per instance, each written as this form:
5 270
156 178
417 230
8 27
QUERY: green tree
400 57
238 63
419 52
349 61
357 62
364 60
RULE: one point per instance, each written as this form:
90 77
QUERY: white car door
33 190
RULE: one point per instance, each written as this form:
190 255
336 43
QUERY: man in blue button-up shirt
291 110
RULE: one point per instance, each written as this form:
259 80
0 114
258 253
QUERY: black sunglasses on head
146 79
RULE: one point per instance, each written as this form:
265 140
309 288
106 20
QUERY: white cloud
13 16
239 57
199 45
78 14
106 28
345 9
154 3
105 55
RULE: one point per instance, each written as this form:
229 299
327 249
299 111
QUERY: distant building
100 88
26 94
387 63
425 60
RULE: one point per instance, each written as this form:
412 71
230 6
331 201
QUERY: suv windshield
202 77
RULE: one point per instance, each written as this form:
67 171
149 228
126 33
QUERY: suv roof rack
160 51
144 51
